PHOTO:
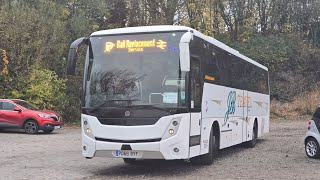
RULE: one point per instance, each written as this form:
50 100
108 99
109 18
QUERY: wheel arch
310 137
216 130
29 119
255 123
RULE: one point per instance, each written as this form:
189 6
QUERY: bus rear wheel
252 143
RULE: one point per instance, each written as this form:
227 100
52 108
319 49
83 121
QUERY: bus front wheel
129 160
208 158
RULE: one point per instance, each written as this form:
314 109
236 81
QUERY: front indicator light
171 131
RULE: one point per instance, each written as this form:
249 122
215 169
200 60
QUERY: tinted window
7 106
317 113
232 71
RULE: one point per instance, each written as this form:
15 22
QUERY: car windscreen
27 105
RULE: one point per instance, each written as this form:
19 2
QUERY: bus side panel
205 134
258 108
221 103
195 136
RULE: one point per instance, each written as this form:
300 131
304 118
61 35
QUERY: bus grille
128 141
128 121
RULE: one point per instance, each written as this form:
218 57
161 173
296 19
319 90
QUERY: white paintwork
313 132
158 130
184 51
164 28
235 129
238 128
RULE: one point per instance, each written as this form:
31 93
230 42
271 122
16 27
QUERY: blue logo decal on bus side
231 105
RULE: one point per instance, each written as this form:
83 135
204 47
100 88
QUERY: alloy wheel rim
311 148
31 127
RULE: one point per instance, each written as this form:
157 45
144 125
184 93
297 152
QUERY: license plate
57 127
127 154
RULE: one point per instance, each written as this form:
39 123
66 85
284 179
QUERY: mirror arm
72 56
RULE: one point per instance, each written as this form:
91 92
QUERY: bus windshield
135 70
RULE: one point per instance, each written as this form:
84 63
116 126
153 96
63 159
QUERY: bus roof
166 28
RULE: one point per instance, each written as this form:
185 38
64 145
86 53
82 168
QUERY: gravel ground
278 155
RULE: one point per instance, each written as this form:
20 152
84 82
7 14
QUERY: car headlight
44 115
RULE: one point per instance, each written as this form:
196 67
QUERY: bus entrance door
195 103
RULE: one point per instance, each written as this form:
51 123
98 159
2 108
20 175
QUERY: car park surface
278 155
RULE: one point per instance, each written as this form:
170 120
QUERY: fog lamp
175 123
171 131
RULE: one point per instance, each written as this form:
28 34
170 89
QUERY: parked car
16 113
312 137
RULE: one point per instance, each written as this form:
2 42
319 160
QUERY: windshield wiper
108 101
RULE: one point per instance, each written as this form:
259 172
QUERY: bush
44 89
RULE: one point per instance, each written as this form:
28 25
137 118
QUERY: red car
16 113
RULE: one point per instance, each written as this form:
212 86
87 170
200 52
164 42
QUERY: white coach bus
167 92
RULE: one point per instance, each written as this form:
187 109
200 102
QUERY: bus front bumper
169 149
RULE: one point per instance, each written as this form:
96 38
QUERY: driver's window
197 53
8 106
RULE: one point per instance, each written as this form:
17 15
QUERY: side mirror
72 56
184 51
17 109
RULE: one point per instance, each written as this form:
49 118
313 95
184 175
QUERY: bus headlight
172 128
86 127
88 131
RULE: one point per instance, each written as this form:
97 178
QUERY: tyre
312 148
208 158
252 143
48 131
129 160
31 127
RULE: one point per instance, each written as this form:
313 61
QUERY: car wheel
312 148
129 160
47 131
31 127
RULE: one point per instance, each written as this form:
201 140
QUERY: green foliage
293 63
44 89
282 35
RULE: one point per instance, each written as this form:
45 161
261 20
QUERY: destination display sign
135 45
